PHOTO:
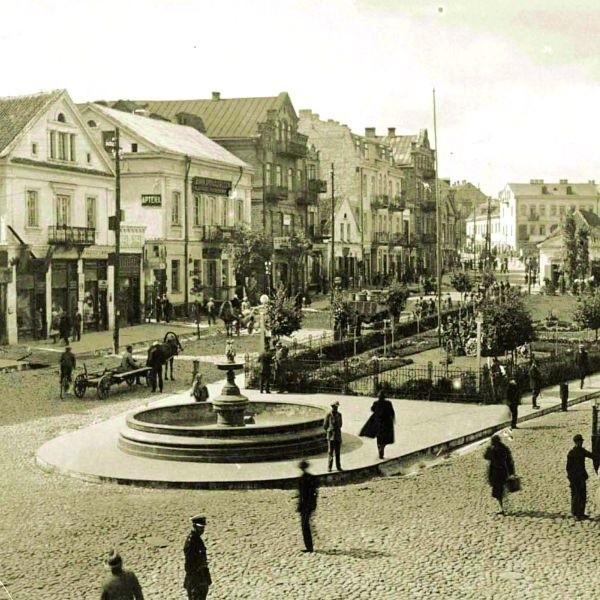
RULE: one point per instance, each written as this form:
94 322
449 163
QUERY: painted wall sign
151 200
211 186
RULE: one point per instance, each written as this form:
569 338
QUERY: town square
299 300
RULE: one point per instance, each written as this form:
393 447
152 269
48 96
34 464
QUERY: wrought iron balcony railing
65 234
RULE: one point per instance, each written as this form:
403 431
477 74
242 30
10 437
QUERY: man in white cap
333 429
122 584
197 576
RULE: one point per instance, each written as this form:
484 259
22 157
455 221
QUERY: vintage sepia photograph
299 300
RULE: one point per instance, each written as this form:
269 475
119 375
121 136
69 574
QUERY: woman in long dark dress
500 468
381 423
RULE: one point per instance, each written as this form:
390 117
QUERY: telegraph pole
117 227
332 266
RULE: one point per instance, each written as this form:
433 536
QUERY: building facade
185 196
529 212
481 225
56 194
466 198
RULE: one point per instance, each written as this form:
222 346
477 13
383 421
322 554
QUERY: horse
165 352
230 318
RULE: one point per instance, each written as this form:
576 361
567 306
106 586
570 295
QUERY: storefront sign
151 200
211 186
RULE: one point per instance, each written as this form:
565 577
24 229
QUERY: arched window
91 123
61 118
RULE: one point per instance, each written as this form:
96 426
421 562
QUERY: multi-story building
531 211
450 225
372 233
185 196
56 194
482 224
416 160
263 132
466 197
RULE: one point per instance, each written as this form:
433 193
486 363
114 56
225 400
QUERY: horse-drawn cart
103 380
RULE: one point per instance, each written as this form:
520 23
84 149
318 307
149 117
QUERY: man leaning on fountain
333 429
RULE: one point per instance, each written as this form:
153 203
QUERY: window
342 232
73 154
240 212
198 268
61 118
348 231
32 209
532 229
63 210
175 272
197 210
278 176
562 211
268 174
92 124
90 212
89 158
290 179
52 144
542 210
299 179
62 146
175 208
134 147
523 209
553 210
34 149
542 230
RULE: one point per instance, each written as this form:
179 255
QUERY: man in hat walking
535 381
155 361
122 584
307 503
197 576
582 362
513 399
578 477
333 428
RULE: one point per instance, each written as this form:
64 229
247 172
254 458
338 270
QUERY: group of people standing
63 326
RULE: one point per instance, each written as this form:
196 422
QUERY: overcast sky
517 81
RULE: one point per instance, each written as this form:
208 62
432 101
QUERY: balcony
294 147
67 235
219 233
276 192
533 217
427 205
380 201
397 203
381 237
316 233
317 186
400 239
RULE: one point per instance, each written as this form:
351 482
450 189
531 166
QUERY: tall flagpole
438 226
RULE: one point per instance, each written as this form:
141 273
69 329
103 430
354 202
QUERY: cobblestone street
433 535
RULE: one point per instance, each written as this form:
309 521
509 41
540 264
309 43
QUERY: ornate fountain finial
229 351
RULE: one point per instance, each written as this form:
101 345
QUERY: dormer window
569 190
134 147
544 189
34 149
61 118
92 124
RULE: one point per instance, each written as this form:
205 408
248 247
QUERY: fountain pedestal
231 405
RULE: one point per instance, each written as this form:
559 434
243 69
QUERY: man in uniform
122 584
333 428
155 361
307 503
578 477
197 576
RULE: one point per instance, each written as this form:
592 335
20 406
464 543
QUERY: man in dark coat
513 399
307 503
578 477
333 429
64 327
122 584
535 381
381 423
67 365
197 575
501 467
155 361
265 360
582 362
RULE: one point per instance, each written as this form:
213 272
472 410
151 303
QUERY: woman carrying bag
380 424
501 470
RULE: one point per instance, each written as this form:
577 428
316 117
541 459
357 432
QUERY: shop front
129 305
211 258
31 300
64 282
94 305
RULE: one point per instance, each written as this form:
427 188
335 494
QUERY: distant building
466 197
185 199
529 212
481 224
56 194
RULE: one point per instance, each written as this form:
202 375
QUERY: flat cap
198 520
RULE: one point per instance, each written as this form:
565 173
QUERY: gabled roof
553 189
401 147
170 137
589 218
17 112
223 118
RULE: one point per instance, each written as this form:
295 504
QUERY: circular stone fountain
231 429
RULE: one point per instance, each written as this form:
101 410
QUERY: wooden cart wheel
79 386
103 387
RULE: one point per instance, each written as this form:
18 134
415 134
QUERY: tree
587 311
396 300
507 325
283 316
487 279
250 250
461 282
570 248
582 252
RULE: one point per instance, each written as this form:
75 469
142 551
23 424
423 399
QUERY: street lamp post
332 261
264 300
479 321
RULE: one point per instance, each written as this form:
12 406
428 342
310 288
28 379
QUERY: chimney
564 181
391 132
191 120
592 181
216 96
370 132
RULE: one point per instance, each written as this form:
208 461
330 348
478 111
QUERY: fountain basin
190 432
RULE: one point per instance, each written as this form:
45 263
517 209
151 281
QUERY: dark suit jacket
196 562
307 493
333 425
576 463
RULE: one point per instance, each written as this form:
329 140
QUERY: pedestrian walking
67 366
535 381
77 322
64 328
582 362
211 311
158 305
154 360
380 424
333 429
307 503
265 360
121 584
167 309
500 468
513 399
578 477
197 575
